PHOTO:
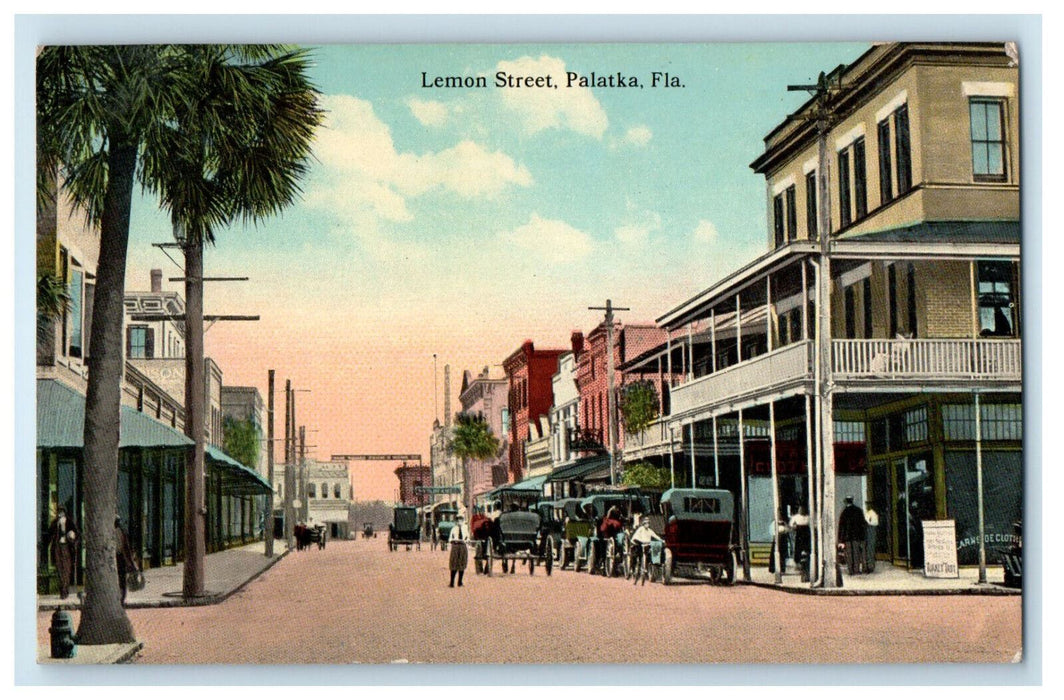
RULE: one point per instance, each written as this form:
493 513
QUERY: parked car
700 534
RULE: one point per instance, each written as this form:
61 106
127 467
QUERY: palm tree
101 111
53 300
472 439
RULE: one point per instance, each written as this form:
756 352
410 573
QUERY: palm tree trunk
468 490
103 619
195 410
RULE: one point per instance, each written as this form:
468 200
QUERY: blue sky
462 221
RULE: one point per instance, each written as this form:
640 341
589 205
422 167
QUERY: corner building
924 311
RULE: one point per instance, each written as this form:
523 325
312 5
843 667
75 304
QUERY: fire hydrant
62 634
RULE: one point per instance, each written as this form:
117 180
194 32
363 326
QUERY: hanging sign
940 549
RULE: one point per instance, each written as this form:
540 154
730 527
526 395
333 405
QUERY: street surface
357 602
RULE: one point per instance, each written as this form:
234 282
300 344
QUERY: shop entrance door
914 502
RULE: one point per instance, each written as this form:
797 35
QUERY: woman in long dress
459 550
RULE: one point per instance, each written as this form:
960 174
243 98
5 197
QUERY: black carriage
609 556
700 535
516 537
404 528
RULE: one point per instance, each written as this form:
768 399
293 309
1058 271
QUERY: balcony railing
927 359
791 362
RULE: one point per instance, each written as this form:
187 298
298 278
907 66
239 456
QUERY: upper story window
312 490
140 342
784 216
76 288
811 208
853 198
988 138
997 305
336 490
895 154
324 490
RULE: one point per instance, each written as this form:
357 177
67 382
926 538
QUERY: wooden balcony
652 441
929 359
789 364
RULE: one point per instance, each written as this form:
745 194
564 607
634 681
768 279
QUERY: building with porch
908 261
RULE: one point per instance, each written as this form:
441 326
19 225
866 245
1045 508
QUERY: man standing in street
62 536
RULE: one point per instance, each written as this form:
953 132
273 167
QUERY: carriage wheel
487 558
730 569
549 559
531 563
666 569
611 558
591 558
578 549
629 563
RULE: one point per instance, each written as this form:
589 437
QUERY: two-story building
915 383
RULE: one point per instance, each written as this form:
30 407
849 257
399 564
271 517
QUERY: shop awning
237 477
580 468
61 422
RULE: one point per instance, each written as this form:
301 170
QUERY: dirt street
356 601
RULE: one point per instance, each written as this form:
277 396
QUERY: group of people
63 543
306 535
856 539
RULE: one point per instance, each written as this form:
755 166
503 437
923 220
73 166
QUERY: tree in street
110 116
639 406
472 439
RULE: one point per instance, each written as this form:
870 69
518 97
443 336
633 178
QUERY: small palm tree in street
473 439
110 116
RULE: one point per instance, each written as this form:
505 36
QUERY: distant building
328 494
244 403
411 478
486 395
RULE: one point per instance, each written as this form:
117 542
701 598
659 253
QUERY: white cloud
551 240
705 232
638 226
637 136
428 112
363 171
539 109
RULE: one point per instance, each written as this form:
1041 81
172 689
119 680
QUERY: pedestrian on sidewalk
803 540
459 551
62 537
853 533
124 558
872 519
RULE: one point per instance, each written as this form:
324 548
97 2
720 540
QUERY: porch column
805 303
745 525
672 457
693 484
738 330
979 487
716 456
713 337
768 311
974 297
775 491
814 528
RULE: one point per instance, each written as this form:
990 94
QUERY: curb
177 602
989 590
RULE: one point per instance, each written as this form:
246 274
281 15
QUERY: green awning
580 468
236 475
533 484
61 422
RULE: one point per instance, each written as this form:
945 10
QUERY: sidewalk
226 572
890 580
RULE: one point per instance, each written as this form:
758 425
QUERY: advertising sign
940 549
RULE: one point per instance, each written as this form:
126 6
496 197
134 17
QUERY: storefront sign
940 549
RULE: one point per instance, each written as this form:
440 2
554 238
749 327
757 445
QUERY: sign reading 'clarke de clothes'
940 549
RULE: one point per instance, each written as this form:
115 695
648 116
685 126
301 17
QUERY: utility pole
611 399
289 467
269 468
305 510
825 92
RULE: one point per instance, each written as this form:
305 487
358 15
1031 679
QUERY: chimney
577 341
156 281
447 396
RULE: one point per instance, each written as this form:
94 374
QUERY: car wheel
730 570
549 559
592 560
666 569
578 554
611 558
487 560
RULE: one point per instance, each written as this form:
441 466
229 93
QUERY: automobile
700 535
405 528
517 537
444 516
551 528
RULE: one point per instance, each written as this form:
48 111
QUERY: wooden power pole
611 398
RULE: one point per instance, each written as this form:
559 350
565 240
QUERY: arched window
336 490
324 490
311 491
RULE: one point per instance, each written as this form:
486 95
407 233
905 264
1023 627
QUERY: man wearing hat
852 535
63 535
459 551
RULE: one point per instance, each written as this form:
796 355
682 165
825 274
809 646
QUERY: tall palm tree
472 439
102 111
53 300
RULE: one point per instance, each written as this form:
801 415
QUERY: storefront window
999 421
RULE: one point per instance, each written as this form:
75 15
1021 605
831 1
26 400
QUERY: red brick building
411 475
592 379
529 372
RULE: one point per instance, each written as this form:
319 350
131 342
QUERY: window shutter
149 343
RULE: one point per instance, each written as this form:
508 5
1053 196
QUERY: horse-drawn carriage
444 518
404 528
518 533
607 554
700 534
